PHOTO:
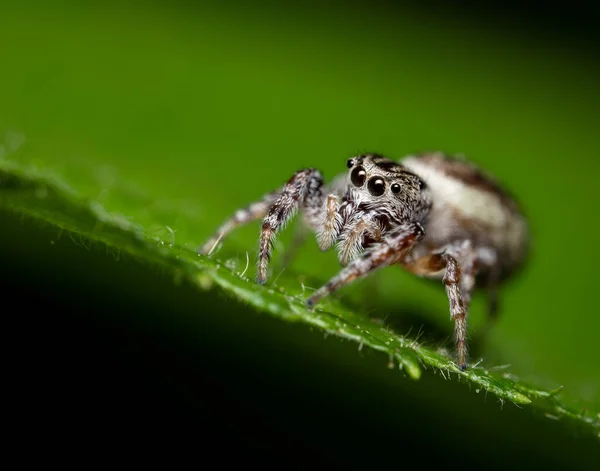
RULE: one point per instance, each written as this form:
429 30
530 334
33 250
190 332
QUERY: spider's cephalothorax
437 216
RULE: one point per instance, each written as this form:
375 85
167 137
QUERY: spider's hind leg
460 264
459 279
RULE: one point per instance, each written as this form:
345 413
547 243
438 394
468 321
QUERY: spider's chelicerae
437 216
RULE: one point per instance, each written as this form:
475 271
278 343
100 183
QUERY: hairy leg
304 189
458 308
459 280
392 249
248 214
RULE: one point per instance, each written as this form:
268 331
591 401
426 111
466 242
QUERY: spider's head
376 181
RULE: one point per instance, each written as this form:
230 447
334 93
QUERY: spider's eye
350 163
395 188
358 176
422 185
376 186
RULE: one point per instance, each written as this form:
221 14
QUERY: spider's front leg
392 249
304 189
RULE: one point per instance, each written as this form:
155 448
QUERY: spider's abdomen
469 205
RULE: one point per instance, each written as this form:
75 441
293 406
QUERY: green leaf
49 199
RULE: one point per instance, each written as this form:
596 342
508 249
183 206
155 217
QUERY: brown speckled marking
425 265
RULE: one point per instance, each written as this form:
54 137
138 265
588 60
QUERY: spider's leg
304 188
327 222
248 214
459 279
458 308
322 217
392 249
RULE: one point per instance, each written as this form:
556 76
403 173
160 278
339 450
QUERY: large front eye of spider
376 186
358 176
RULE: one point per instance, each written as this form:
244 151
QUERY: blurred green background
176 114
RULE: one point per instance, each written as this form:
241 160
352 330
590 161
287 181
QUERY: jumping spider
437 216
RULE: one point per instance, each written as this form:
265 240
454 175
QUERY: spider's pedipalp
353 241
330 225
